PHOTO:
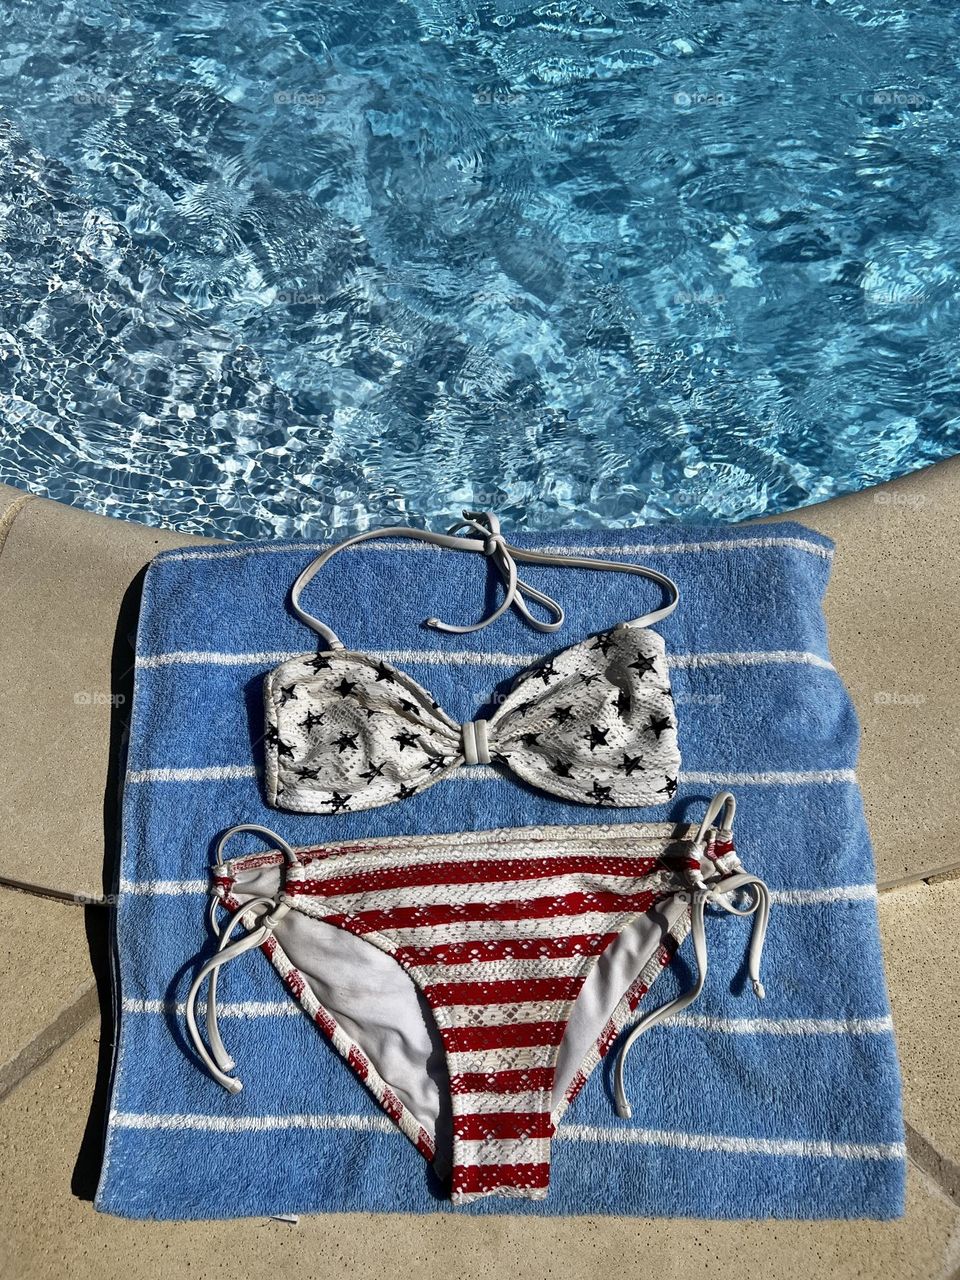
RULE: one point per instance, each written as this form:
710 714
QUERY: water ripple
278 269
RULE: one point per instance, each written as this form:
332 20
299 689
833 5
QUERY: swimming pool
277 269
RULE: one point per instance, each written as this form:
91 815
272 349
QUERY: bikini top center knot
475 743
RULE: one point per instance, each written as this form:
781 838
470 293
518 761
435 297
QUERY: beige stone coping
66 654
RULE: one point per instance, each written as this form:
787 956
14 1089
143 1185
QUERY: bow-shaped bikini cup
594 723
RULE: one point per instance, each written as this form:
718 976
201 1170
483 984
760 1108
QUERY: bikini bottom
474 980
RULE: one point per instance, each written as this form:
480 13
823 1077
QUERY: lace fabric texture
529 950
595 724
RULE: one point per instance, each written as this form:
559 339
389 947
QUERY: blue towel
742 1109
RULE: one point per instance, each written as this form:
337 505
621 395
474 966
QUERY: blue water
276 269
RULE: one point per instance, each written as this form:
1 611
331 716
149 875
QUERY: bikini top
594 723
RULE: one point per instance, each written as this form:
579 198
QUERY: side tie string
217 1060
759 909
722 805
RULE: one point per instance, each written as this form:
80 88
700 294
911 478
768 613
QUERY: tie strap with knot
716 894
485 538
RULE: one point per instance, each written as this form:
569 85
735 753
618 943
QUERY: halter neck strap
485 538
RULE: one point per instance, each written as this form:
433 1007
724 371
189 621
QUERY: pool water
276 269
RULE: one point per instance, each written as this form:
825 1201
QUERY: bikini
594 724
473 980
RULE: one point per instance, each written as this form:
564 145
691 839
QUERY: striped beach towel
789 1108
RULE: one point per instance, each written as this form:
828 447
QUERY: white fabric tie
217 1060
759 908
476 745
718 896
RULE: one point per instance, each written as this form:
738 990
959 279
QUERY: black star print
338 801
284 749
370 711
287 694
405 792
631 764
598 737
406 739
319 662
545 672
623 701
643 665
657 724
346 687
603 642
530 739
374 771
409 706
525 707
562 715
561 769
346 742
310 721
311 773
589 679
436 763
385 673
671 786
601 795
272 736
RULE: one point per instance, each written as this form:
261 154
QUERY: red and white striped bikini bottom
474 980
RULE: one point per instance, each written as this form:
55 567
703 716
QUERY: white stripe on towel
467 658
250 1124
793 779
810 1148
208 658
635 549
164 888
696 1021
817 897
484 773
782 1026
208 773
234 1009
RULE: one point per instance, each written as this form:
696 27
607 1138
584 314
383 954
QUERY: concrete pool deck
68 596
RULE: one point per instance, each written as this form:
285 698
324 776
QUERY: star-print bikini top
594 723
